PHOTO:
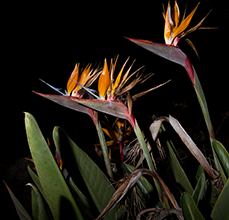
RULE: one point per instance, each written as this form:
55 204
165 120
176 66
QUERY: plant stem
103 146
142 142
203 104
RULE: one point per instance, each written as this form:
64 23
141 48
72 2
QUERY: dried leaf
129 182
154 129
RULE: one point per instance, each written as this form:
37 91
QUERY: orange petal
104 81
184 24
167 28
112 134
74 77
84 77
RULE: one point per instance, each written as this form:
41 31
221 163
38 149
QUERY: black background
46 40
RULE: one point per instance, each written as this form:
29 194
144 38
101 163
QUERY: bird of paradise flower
113 98
174 30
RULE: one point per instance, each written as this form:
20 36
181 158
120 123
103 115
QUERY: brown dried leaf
154 129
121 192
129 182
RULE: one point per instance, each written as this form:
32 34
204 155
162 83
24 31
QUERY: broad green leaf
57 193
39 212
189 208
143 184
222 155
69 102
22 213
200 189
178 171
221 210
100 188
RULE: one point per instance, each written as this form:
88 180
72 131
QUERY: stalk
142 142
103 143
203 103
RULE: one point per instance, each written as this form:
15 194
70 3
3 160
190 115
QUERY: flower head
174 30
111 88
86 78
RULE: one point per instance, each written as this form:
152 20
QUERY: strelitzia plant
174 30
113 98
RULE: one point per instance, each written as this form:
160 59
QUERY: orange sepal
84 77
73 79
104 81
184 24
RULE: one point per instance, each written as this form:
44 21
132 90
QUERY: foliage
70 185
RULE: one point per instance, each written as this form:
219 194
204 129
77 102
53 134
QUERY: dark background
46 40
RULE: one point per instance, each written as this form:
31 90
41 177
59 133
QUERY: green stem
103 145
142 142
203 105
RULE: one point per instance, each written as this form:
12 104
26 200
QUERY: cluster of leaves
70 185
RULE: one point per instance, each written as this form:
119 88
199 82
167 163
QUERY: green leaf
81 196
199 172
69 102
104 148
178 171
56 191
189 208
221 210
222 155
22 213
36 180
39 212
98 185
218 165
200 190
